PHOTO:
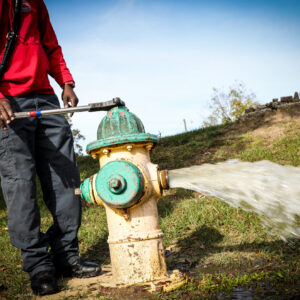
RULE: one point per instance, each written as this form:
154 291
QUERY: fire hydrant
129 185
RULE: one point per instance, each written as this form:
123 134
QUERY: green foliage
77 136
87 166
228 106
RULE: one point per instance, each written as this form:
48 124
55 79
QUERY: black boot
78 268
44 283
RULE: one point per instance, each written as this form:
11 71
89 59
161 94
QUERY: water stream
268 189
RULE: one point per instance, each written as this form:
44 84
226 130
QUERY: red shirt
36 54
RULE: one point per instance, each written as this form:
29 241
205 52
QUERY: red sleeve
58 67
1 5
2 31
1 95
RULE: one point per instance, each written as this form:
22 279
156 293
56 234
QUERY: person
42 146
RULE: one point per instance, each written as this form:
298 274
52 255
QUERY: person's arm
6 111
1 7
58 67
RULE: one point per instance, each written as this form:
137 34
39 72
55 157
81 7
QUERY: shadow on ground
98 252
191 251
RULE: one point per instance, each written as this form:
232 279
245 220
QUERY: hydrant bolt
117 184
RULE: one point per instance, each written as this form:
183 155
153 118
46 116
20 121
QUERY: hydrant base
103 285
174 280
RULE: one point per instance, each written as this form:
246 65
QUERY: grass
222 248
219 247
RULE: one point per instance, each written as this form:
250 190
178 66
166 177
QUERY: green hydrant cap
120 184
86 190
120 126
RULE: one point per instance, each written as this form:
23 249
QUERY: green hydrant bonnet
120 126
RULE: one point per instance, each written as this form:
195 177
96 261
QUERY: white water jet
268 189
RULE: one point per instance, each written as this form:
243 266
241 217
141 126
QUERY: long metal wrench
100 106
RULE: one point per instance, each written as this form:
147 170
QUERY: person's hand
6 113
68 97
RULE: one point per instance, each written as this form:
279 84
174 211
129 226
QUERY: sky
163 58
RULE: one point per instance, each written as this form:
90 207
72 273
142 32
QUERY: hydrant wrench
99 106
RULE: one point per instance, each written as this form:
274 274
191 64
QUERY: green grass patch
285 151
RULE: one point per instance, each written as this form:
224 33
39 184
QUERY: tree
77 136
228 107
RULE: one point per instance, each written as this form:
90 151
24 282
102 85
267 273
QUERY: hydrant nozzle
164 179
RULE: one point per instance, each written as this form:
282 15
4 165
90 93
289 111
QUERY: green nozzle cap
120 184
86 192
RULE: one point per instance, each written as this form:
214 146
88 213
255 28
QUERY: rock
269 105
249 110
286 99
260 107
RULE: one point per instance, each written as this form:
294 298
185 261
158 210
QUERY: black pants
42 146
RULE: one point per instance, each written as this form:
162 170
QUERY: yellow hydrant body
135 238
